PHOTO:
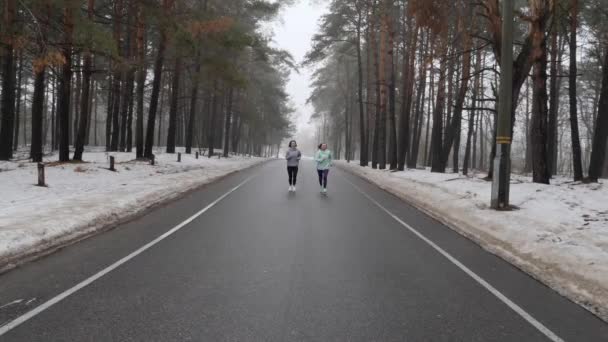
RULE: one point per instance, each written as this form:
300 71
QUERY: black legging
323 177
292 171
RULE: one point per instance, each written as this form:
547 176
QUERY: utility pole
502 161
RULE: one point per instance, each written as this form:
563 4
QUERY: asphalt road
261 264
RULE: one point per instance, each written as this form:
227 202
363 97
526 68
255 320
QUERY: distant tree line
134 74
414 83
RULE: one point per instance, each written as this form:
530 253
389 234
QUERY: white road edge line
32 313
528 317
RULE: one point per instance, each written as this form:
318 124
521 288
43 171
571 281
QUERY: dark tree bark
377 110
109 108
54 124
392 138
18 104
116 98
364 152
453 133
540 165
383 89
92 92
158 68
600 136
437 135
173 106
65 79
553 104
95 108
528 157
130 114
574 133
212 119
7 105
471 130
193 102
237 131
227 122
408 86
127 96
84 105
37 113
77 92
428 143
420 102
119 79
141 80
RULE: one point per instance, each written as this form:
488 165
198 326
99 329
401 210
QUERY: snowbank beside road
82 198
558 234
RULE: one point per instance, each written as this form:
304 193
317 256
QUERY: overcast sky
293 32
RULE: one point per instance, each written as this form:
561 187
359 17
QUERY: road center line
32 313
525 315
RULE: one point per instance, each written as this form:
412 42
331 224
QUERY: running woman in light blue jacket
324 159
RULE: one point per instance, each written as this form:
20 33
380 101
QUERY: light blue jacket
323 159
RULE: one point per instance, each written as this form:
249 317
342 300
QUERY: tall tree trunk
173 106
77 92
428 143
392 138
158 68
119 77
383 88
211 134
54 125
574 134
528 157
453 133
437 136
47 116
409 57
369 108
236 131
193 98
95 108
18 104
600 136
420 101
127 96
540 166
109 107
553 104
364 155
227 122
24 116
116 98
467 150
130 117
65 79
141 82
92 92
7 105
37 113
84 105
377 81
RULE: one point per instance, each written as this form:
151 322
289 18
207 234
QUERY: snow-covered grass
82 198
558 233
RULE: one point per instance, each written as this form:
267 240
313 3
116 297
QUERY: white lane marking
32 313
528 317
11 303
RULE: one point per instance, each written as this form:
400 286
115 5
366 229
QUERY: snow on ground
82 198
558 233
